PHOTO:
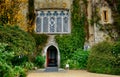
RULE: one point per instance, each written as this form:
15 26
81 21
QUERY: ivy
31 16
8 11
68 44
115 7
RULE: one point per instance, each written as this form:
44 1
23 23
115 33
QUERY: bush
39 61
19 60
14 54
102 60
40 40
6 70
18 41
6 67
19 72
78 60
116 54
28 65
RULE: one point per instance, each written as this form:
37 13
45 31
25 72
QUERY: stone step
51 69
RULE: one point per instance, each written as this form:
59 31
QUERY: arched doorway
52 57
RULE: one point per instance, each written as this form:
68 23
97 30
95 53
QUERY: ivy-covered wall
13 12
115 6
111 28
68 44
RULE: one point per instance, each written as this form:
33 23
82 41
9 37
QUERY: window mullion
55 24
62 23
41 24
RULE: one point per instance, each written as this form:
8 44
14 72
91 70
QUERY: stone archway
52 56
52 59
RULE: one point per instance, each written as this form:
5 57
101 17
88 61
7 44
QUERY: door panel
52 56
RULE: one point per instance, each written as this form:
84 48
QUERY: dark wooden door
52 56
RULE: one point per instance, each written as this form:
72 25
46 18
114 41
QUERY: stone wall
95 13
95 34
42 4
52 4
23 23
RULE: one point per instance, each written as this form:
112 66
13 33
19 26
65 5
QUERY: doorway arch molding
58 53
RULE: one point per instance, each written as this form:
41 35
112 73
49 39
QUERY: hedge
102 58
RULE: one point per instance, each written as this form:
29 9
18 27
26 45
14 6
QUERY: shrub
116 54
101 59
78 60
18 41
28 65
39 61
19 72
80 57
18 60
40 40
6 70
19 45
6 67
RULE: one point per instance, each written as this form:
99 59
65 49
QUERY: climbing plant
113 30
115 6
11 12
68 44
31 15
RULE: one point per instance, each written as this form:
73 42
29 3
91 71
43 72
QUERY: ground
69 73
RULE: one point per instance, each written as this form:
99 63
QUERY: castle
54 17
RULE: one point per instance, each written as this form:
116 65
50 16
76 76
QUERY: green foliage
31 15
115 7
19 72
9 9
19 60
6 70
18 41
6 67
68 44
116 54
102 60
79 59
27 65
40 40
39 61
14 55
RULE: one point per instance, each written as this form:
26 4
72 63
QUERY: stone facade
95 34
51 42
101 10
22 15
53 4
95 8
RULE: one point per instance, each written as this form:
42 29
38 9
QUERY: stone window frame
105 15
62 18
106 18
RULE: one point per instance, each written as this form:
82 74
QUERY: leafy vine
68 44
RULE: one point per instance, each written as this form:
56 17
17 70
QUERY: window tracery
53 21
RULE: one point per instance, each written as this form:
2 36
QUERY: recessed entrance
52 57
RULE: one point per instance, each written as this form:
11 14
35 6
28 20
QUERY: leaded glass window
53 21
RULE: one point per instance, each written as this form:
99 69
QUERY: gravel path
70 73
